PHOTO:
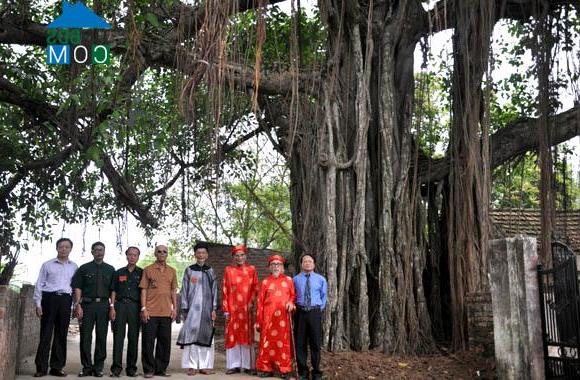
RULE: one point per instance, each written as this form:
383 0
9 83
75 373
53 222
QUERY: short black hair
200 245
97 243
309 255
64 239
132 247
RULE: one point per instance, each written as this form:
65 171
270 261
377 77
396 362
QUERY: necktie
307 298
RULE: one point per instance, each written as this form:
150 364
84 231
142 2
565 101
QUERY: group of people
285 313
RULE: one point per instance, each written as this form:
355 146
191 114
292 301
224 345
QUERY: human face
161 253
307 264
200 255
98 253
276 268
240 258
132 256
63 250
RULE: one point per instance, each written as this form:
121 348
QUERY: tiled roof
512 222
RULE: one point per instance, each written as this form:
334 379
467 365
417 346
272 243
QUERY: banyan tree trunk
353 197
468 200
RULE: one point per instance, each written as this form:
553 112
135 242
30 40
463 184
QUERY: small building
509 222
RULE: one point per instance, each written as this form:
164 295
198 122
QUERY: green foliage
249 205
432 110
277 49
253 225
517 184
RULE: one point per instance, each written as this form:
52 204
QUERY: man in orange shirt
239 291
275 306
158 309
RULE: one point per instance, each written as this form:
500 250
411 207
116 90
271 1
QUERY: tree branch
166 54
510 142
123 190
12 94
269 214
224 149
443 14
274 83
126 194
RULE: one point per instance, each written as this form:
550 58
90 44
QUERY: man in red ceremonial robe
239 292
275 305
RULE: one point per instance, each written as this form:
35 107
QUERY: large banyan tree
379 213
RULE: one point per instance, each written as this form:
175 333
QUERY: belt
127 300
308 308
98 299
56 294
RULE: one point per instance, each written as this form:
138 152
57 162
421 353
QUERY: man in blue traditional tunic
199 304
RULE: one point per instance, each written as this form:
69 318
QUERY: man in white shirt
53 298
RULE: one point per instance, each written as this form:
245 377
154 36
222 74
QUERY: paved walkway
73 365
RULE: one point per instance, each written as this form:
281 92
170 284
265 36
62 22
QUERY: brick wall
9 326
19 328
480 322
29 331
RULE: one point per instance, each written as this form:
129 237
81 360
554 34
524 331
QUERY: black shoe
132 374
162 374
57 372
231 371
265 374
98 373
39 374
251 372
85 373
115 374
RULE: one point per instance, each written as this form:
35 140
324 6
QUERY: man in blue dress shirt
311 291
53 298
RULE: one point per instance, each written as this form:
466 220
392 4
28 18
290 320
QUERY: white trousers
197 357
240 356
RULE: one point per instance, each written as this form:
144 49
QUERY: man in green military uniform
124 312
91 284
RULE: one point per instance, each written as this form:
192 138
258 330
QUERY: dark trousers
55 320
307 333
95 316
126 320
156 329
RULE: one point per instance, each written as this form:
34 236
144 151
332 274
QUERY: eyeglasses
276 264
240 255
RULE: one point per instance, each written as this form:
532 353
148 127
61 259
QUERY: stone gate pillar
516 308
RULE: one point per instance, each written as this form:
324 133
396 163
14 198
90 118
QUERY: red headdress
239 248
276 257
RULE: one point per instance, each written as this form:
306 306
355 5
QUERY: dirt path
336 366
73 365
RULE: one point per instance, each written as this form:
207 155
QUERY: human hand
173 314
290 307
79 312
112 314
39 311
213 315
145 316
